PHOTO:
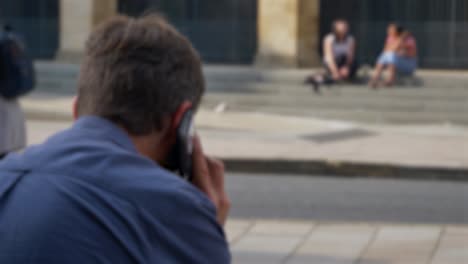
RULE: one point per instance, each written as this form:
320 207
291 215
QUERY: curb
312 168
308 168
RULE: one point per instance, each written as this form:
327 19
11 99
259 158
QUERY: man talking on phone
102 191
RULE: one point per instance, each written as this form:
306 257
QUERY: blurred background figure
339 49
16 79
12 127
398 57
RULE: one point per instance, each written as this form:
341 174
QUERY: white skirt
12 126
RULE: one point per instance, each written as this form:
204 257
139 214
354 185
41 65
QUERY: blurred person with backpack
17 78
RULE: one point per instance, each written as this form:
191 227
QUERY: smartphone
180 158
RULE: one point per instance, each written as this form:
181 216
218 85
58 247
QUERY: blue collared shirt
87 196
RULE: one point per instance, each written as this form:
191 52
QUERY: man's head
141 74
137 72
340 28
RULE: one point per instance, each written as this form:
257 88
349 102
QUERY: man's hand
208 176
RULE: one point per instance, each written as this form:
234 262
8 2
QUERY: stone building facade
268 33
286 30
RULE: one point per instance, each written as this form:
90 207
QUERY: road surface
331 198
341 199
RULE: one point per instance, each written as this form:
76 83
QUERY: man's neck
150 147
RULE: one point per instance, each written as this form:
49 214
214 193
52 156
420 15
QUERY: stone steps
443 97
248 75
353 103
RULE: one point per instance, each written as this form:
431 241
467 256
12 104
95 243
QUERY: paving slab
279 228
334 243
453 247
264 248
348 243
402 244
236 228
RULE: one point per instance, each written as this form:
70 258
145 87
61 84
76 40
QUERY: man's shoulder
179 208
139 176
141 192
157 190
68 155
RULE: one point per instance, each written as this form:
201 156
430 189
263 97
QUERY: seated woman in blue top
399 56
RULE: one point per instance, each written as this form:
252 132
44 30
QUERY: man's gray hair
136 71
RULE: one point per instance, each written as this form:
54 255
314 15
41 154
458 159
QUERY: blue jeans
402 64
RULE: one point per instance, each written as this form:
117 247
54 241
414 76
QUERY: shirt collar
106 128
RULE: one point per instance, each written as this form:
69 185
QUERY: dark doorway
36 21
441 27
223 31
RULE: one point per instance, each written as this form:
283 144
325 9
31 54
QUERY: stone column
308 41
77 20
288 33
277 33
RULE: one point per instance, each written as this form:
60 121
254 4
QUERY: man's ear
171 124
179 114
75 108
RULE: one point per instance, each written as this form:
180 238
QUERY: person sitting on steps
339 49
399 56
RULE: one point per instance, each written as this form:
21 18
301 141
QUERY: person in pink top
399 56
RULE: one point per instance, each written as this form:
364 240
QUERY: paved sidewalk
256 142
262 136
294 242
